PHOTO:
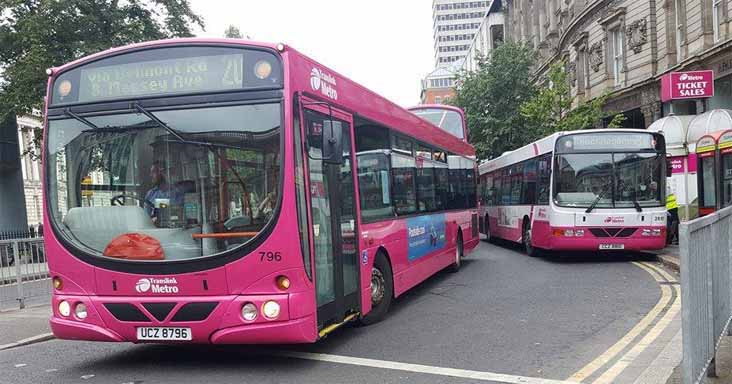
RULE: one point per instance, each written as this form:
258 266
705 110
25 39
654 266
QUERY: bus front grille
613 232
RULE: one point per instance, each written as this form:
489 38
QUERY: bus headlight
271 309
579 232
249 311
80 311
64 308
652 232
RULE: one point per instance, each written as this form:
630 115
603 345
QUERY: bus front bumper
223 325
588 241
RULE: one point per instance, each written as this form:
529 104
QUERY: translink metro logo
166 285
323 82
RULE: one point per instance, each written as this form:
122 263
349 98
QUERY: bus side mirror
669 168
332 142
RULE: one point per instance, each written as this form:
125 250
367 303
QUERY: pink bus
583 190
226 191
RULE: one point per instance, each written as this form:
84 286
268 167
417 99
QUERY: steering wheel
118 200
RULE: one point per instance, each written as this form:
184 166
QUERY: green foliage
232 32
39 34
550 110
491 98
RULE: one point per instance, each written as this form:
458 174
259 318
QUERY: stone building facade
623 47
31 169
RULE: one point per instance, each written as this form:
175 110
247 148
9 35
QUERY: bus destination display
606 142
181 75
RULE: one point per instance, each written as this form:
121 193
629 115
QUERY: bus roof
351 96
540 147
528 151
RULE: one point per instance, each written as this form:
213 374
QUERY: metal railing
706 292
23 272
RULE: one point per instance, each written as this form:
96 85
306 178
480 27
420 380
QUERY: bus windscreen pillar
12 197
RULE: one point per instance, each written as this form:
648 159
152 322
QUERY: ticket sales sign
687 85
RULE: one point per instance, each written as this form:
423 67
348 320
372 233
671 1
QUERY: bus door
333 214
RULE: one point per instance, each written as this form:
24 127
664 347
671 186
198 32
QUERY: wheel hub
377 286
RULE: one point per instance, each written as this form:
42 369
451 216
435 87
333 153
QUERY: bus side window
543 171
528 193
495 197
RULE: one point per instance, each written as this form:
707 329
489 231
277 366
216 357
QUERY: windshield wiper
67 112
159 122
597 200
180 138
637 205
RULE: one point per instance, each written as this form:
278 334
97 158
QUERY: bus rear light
249 312
58 284
80 311
283 283
271 310
64 308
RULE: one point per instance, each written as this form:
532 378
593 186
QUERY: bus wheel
459 253
382 290
526 239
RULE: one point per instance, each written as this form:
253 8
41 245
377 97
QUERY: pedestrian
672 209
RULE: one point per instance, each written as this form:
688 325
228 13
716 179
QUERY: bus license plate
612 246
164 334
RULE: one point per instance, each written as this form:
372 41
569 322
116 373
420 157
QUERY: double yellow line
668 301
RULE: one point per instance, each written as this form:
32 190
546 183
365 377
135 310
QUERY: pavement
21 327
669 256
504 318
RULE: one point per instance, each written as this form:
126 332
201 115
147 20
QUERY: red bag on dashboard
135 246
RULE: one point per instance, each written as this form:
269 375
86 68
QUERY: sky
385 45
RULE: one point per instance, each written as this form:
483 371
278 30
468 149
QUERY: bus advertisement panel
582 190
225 191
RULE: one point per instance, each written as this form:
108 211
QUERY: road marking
419 368
621 344
664 364
614 371
662 272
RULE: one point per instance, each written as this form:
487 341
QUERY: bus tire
382 290
526 240
459 253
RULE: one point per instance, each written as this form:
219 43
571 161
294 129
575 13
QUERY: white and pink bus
581 190
225 191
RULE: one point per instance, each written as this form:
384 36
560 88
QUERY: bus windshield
449 121
164 185
608 180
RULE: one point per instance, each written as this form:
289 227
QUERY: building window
438 100
716 18
679 19
617 44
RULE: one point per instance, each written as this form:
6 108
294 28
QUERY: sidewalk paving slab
24 325
724 366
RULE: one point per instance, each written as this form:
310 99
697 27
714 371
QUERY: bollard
19 274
